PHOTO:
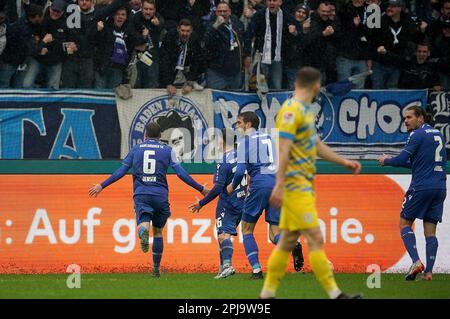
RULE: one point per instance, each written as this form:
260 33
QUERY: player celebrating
425 154
294 192
229 207
149 161
256 154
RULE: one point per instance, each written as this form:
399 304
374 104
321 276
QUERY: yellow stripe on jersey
295 121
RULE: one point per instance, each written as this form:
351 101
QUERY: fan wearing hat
295 56
48 61
78 67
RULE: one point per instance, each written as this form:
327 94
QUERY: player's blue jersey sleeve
128 160
413 143
181 172
403 159
127 163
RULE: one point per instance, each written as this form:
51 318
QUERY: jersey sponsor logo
182 125
324 115
288 117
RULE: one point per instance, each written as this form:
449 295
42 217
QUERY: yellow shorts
298 211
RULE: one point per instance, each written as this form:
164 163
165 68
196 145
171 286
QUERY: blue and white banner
361 124
440 109
65 124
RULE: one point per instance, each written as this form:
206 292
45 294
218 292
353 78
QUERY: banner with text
184 120
59 225
360 124
65 124
439 103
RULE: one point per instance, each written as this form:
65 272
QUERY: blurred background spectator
49 49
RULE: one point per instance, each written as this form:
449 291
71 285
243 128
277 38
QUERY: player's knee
404 223
247 228
221 238
157 232
314 239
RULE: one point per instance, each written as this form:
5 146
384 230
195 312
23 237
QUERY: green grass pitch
186 286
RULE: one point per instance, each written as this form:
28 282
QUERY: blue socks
227 252
157 249
431 248
409 240
251 250
276 238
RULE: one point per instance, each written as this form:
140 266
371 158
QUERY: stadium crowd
192 44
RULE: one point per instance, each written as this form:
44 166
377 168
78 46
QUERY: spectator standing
271 29
321 42
22 40
181 59
224 51
114 47
295 57
146 28
78 68
441 50
353 47
395 35
48 61
418 72
435 28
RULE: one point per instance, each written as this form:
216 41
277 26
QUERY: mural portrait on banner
184 121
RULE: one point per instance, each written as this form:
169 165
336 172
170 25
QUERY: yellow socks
322 270
276 269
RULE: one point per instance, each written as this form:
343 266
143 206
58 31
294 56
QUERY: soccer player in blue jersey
230 206
425 154
149 162
257 155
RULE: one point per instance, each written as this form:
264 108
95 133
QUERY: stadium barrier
48 222
80 124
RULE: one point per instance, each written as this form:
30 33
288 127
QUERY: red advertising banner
48 222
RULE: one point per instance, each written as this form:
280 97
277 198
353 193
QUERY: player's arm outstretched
219 184
118 174
185 177
403 159
325 152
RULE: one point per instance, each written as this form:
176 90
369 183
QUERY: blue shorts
227 219
427 205
149 208
256 201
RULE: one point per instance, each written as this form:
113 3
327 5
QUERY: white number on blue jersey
149 164
244 180
269 144
437 154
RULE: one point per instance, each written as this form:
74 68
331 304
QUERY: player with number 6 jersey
425 154
149 162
